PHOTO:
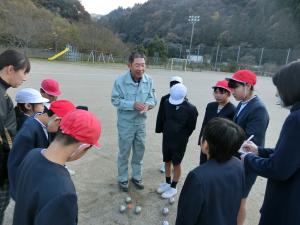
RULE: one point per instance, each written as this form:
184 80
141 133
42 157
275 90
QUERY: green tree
157 45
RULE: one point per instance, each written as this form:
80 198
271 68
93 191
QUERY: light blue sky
103 7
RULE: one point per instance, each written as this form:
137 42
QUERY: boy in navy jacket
34 134
212 192
45 192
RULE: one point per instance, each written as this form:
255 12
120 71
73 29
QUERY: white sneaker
162 169
162 188
71 172
171 192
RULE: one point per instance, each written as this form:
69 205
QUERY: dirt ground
98 195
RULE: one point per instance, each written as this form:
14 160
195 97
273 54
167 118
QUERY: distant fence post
261 56
238 55
217 57
288 56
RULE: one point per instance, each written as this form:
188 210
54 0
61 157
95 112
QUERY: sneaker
124 186
162 188
171 192
138 183
71 172
162 169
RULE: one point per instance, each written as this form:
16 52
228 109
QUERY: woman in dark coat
281 166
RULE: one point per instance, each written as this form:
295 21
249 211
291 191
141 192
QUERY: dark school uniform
281 166
31 135
211 112
160 114
45 193
179 122
8 129
254 119
211 194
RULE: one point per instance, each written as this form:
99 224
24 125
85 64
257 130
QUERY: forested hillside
53 24
246 23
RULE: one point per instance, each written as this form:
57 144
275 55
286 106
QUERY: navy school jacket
29 137
211 112
281 166
254 119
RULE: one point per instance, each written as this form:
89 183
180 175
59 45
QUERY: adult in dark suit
251 114
222 107
281 166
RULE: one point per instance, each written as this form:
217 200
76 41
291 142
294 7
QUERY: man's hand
139 106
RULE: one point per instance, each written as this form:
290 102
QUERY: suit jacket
254 119
29 137
211 194
281 166
211 112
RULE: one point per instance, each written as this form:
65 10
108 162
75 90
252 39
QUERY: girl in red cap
251 114
222 107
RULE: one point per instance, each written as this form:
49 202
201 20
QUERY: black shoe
138 183
123 186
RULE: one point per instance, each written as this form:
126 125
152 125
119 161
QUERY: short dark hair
287 82
172 83
65 139
135 55
224 138
16 59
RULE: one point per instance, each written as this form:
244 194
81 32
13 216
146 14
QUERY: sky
103 7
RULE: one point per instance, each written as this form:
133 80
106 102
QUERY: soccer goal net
177 64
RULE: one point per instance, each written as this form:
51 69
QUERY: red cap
222 84
244 76
83 126
62 107
51 87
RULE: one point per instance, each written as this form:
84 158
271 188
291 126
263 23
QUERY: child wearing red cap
45 192
251 114
50 89
222 107
35 134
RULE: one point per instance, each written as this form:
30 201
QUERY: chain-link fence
227 59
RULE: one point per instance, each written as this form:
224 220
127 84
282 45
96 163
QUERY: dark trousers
4 200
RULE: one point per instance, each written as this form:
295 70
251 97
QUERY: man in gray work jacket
133 96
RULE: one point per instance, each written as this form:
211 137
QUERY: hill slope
250 23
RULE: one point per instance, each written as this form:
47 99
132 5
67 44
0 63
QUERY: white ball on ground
165 222
138 209
171 201
128 199
165 211
122 208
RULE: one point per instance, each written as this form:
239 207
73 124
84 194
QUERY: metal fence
227 59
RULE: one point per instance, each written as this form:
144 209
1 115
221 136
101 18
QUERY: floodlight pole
193 20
